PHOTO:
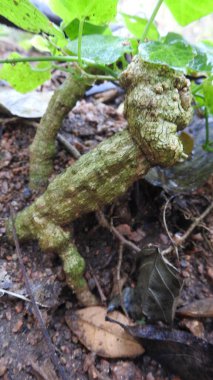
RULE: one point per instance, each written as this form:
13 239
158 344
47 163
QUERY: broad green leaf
203 61
95 11
136 26
72 29
176 54
208 93
186 11
22 76
23 14
101 49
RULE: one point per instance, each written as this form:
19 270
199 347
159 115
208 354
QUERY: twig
70 148
165 225
182 239
4 291
37 313
120 258
100 291
104 223
195 224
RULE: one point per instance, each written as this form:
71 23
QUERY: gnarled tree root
157 105
96 179
43 148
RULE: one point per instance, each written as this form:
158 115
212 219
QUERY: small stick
37 313
100 291
120 258
189 231
16 295
166 228
69 147
104 223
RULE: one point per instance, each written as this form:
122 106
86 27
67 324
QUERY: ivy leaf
22 76
95 11
100 48
208 93
136 26
23 14
72 29
186 11
173 53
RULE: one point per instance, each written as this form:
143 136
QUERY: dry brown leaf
199 309
104 338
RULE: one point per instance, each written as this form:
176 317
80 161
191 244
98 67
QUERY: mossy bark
43 148
96 179
105 173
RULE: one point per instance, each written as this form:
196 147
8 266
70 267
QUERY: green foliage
72 29
203 60
95 11
23 77
186 11
208 94
136 26
23 14
100 48
172 51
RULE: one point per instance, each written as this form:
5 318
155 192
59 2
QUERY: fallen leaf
194 326
126 230
178 351
103 338
30 105
198 309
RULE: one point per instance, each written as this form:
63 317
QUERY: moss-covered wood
105 173
43 148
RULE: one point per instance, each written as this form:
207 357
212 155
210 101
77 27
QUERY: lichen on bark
105 173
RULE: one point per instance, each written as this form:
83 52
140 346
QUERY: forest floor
137 215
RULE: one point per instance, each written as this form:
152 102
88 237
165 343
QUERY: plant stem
208 144
80 33
148 25
57 58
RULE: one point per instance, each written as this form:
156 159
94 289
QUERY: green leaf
22 76
176 53
208 93
72 29
95 11
101 49
23 14
136 26
186 11
203 61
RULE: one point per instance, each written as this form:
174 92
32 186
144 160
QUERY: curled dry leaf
104 338
199 309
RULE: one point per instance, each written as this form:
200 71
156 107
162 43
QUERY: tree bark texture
43 148
106 172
